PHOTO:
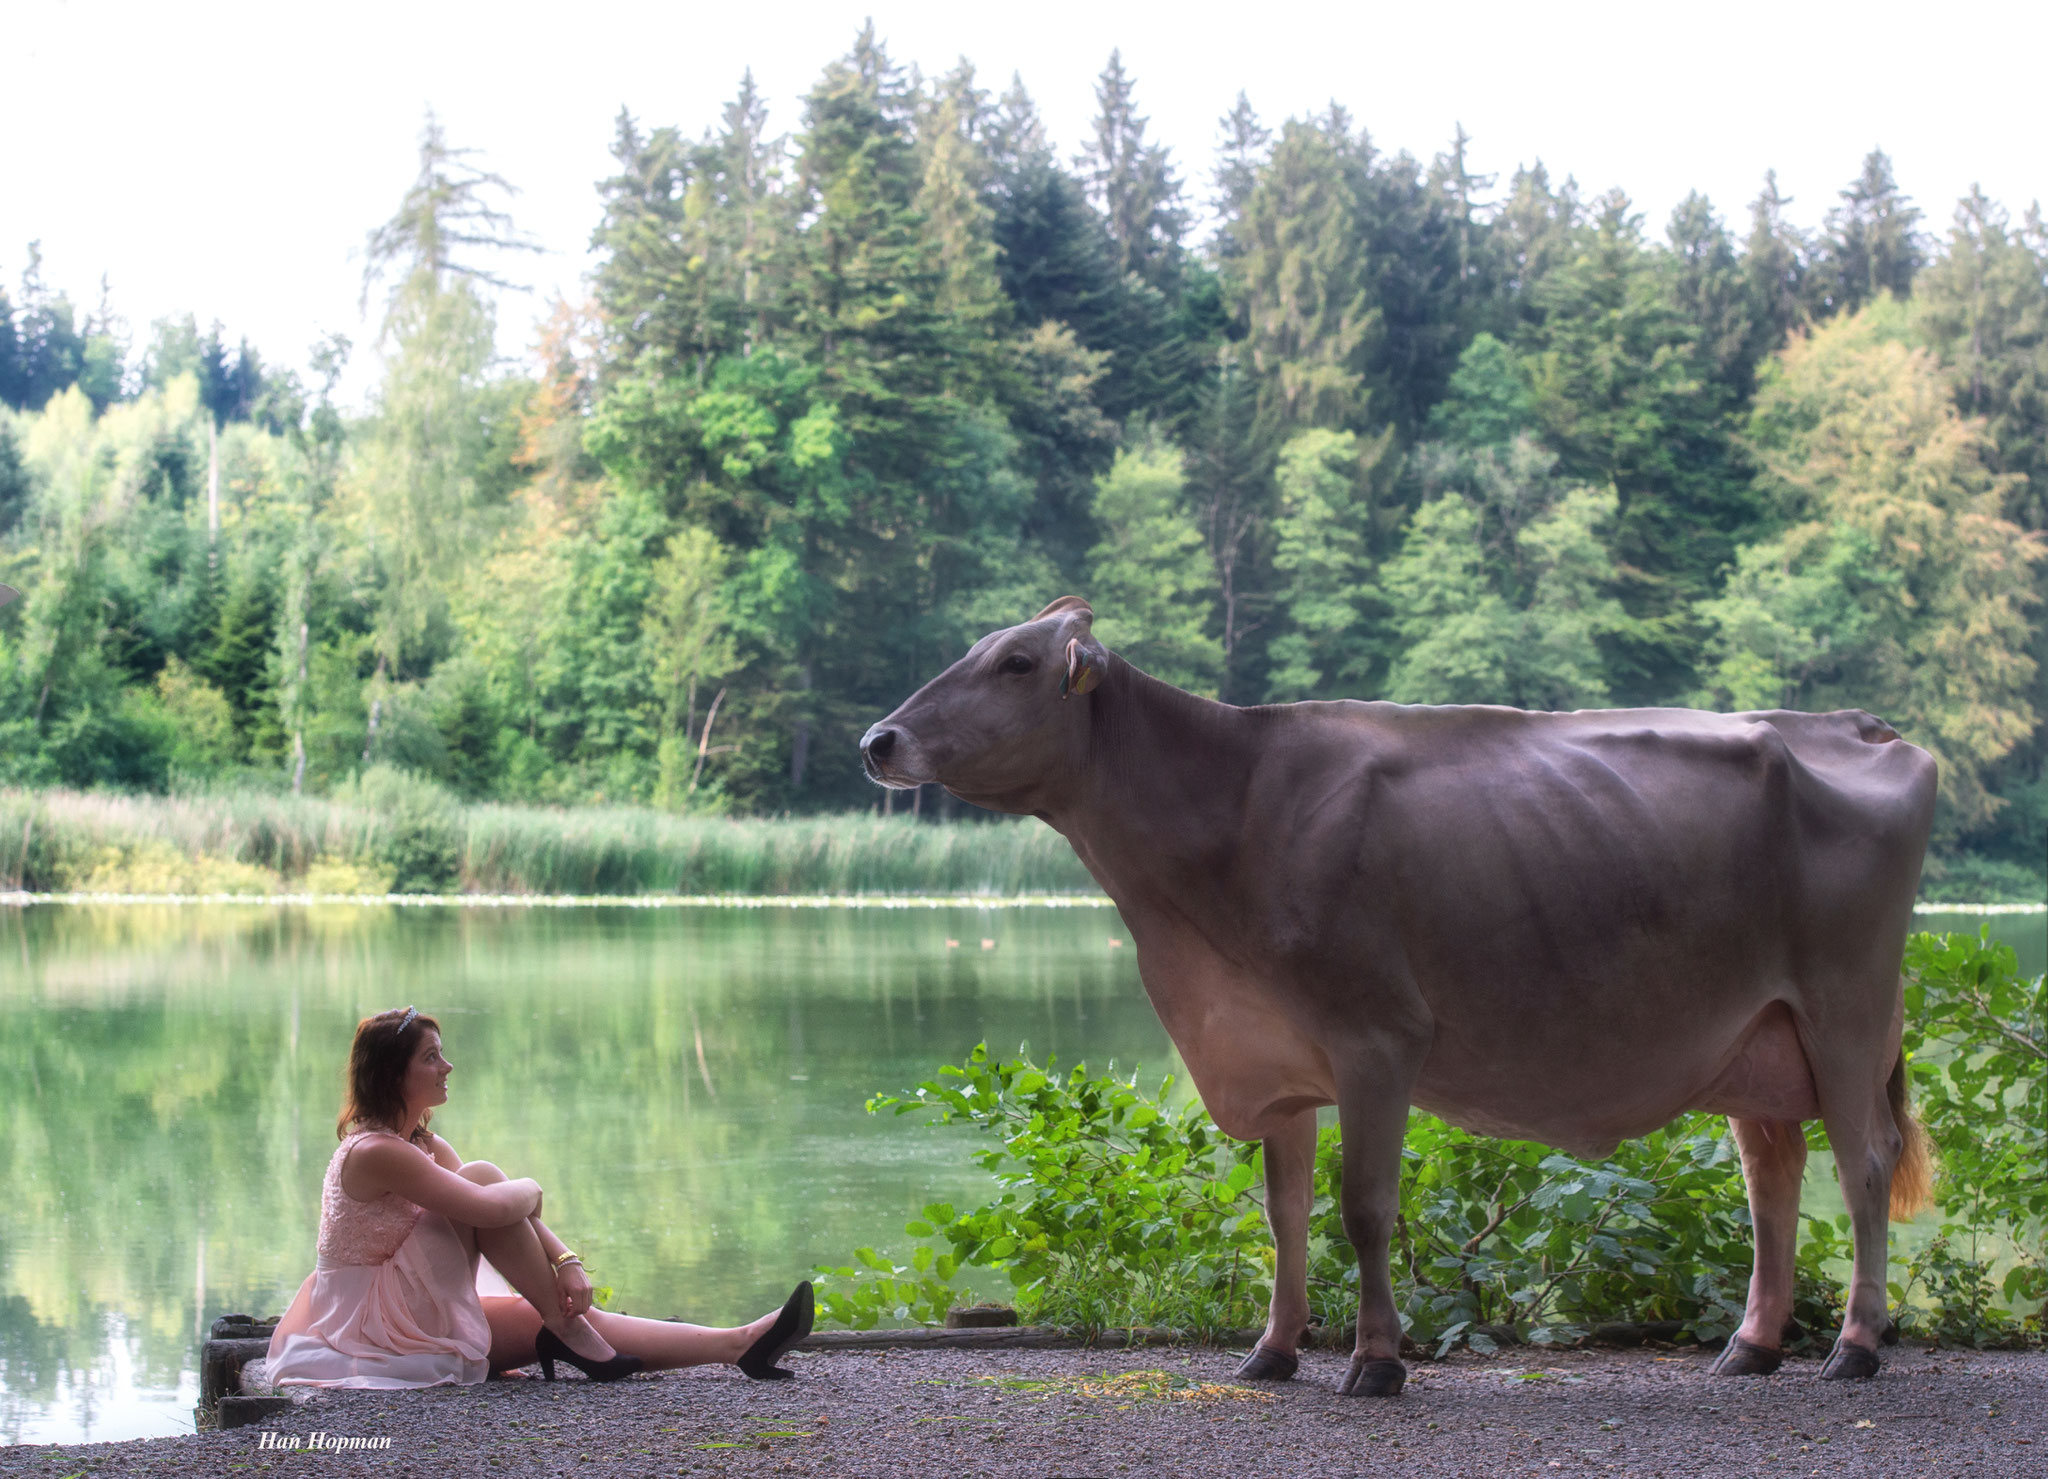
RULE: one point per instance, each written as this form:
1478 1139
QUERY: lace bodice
353 1232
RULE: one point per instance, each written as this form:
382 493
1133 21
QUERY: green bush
1979 1034
419 839
1119 1208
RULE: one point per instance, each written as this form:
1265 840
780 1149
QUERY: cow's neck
1159 805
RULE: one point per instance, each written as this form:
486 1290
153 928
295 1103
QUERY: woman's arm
384 1163
572 1282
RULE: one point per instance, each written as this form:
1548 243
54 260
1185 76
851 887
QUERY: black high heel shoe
791 1326
551 1348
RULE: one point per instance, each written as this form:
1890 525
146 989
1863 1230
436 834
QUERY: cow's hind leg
1374 1116
1290 1158
1867 1143
1773 1165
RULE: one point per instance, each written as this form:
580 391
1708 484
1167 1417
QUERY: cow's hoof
1373 1379
1742 1358
1848 1362
1265 1365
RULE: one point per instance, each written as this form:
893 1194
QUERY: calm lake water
688 1086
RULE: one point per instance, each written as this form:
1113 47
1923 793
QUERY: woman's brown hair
377 1061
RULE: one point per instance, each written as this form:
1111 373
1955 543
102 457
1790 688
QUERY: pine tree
1983 304
13 372
1461 189
429 447
746 162
1537 229
1305 282
1774 272
1428 309
1870 244
49 350
1708 286
958 223
1057 263
237 660
1625 397
1133 184
1241 152
1229 491
1064 440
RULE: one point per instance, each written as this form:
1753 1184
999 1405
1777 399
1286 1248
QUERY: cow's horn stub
1067 604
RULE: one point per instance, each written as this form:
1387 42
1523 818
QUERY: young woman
393 1302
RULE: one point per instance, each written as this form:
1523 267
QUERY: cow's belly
1589 1097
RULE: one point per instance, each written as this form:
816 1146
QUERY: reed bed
420 841
397 834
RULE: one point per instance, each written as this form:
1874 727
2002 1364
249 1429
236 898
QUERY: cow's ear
1074 604
1086 664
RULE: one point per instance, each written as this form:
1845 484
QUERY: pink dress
391 1301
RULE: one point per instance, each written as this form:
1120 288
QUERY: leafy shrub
1979 1034
1119 1208
419 838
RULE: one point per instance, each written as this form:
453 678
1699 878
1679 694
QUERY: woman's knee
483 1173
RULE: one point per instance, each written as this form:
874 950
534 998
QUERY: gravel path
1162 1412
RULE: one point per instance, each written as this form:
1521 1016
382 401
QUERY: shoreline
23 897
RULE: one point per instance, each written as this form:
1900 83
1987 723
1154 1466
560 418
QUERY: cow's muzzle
891 758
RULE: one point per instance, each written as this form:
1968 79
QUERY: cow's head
1003 723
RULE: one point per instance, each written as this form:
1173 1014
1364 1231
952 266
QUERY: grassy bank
390 832
408 838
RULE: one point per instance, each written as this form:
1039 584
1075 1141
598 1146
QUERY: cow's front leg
1374 1116
1290 1155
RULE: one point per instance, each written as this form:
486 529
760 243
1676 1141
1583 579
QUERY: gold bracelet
567 1258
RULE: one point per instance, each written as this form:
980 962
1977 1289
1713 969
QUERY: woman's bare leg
516 1252
661 1345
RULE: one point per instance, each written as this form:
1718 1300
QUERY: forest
1312 419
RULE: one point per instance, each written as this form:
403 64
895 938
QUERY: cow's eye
1016 663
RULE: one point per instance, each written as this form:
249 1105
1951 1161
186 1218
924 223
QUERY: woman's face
426 1077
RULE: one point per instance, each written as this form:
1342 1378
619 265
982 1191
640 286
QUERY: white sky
229 159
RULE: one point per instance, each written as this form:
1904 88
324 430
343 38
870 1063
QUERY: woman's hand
574 1286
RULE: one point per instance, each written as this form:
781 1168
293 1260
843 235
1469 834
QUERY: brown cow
1561 927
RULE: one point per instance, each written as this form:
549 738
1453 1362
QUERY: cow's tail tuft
1913 1176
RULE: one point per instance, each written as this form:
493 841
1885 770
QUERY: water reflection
687 1086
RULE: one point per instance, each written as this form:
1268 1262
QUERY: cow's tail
1913 1176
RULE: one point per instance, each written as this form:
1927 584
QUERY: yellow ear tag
1081 674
